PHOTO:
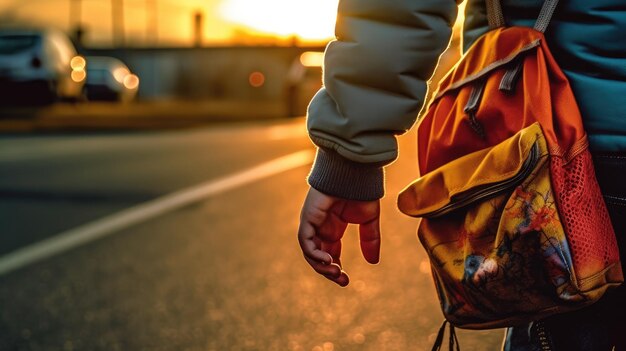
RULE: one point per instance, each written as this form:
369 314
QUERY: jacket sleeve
375 75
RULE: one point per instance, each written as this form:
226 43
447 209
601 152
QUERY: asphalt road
222 273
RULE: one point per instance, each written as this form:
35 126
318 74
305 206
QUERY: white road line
126 218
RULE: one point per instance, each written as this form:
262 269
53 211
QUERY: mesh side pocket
584 215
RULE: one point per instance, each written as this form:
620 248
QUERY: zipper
544 342
471 107
493 189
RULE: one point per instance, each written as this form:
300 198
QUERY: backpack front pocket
492 232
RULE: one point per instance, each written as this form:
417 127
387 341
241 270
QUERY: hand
323 222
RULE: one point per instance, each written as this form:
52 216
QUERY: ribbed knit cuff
337 176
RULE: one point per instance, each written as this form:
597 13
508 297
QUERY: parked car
39 66
109 79
303 81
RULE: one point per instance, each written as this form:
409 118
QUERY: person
375 76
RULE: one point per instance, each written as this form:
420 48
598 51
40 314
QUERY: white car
39 66
109 79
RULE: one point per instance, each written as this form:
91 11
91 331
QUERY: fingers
322 260
320 235
367 214
330 271
334 249
343 279
330 234
369 233
307 238
323 222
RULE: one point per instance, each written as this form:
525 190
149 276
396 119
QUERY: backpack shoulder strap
494 14
496 17
547 10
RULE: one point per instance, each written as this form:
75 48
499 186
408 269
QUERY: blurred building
216 73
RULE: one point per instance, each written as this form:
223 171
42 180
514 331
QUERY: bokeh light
256 79
78 63
78 75
131 81
312 59
120 74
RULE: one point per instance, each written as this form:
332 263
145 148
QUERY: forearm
375 77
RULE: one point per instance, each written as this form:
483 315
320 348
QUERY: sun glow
306 19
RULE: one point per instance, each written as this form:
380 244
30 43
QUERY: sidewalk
94 116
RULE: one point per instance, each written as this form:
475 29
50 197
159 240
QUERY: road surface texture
221 272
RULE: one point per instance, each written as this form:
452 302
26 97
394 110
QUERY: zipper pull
511 77
471 107
477 127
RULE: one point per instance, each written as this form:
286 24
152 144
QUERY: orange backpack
513 220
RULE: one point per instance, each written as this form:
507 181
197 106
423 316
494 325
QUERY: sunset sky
309 20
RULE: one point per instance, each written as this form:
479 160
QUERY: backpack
513 220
